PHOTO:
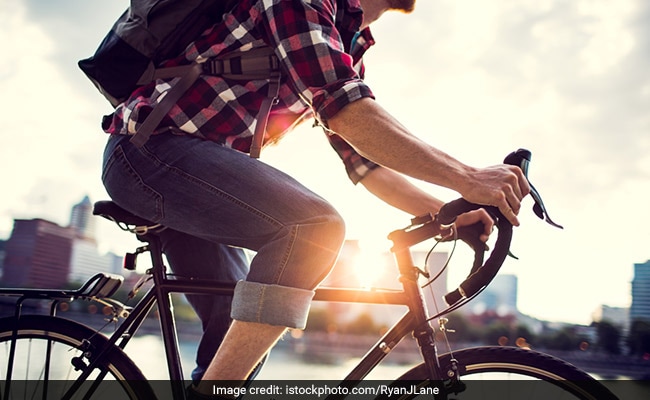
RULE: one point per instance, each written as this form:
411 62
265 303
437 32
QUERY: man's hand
475 216
375 134
502 186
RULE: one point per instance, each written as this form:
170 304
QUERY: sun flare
371 262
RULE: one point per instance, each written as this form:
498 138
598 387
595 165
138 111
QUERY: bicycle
95 361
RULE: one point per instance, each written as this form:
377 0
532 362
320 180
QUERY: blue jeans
192 257
216 197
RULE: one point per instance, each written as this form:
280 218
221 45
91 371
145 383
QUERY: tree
495 331
561 340
609 337
464 331
564 339
320 320
638 339
363 324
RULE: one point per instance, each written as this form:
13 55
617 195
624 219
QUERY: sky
567 80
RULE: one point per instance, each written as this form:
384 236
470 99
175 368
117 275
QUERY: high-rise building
500 296
640 308
85 259
42 254
37 254
82 220
619 316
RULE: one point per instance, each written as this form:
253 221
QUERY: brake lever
521 158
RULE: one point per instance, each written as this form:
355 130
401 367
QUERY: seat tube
167 321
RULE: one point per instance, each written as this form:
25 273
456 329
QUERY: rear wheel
511 373
41 356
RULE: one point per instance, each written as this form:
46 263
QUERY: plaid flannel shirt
320 48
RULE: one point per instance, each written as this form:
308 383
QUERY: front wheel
40 357
511 373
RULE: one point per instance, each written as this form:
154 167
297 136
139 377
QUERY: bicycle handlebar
481 274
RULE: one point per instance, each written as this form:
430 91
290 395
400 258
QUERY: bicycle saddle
111 211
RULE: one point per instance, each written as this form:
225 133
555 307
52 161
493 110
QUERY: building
82 220
85 259
500 296
359 268
619 316
640 308
3 243
37 254
42 254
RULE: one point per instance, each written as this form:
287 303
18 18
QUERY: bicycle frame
415 320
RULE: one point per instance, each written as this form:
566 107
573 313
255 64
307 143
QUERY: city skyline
43 254
568 81
640 307
85 260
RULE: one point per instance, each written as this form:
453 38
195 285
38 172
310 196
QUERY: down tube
383 347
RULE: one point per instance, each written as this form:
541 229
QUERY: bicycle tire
67 342
505 373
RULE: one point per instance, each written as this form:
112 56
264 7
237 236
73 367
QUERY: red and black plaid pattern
320 50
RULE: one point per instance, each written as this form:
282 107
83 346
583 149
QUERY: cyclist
194 176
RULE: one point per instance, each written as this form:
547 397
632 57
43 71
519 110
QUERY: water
286 363
148 353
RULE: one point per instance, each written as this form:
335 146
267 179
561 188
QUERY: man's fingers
488 226
521 188
508 210
510 215
514 194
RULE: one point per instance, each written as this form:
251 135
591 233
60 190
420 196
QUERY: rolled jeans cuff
271 304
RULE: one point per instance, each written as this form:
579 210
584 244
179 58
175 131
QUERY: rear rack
98 288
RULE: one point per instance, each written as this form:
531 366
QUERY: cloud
50 123
591 58
75 27
568 80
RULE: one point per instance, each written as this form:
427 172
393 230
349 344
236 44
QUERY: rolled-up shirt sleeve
327 104
356 166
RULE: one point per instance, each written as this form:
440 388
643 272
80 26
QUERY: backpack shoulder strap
263 117
259 63
159 112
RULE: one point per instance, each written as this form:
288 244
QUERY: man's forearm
374 133
379 137
397 191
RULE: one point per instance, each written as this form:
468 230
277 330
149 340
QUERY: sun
372 262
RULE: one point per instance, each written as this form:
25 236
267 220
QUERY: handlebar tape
482 275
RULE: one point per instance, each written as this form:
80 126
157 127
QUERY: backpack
152 31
